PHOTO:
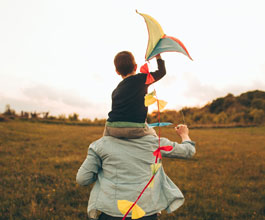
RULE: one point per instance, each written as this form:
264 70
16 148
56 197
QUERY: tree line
245 109
10 114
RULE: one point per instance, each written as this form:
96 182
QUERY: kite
159 124
158 42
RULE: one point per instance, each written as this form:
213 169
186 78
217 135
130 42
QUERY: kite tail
159 128
159 135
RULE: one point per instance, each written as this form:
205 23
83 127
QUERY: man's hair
124 62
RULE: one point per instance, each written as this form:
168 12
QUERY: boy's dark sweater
128 97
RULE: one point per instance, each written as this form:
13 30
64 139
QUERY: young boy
127 119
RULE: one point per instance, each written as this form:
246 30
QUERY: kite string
159 128
183 118
159 135
140 193
138 197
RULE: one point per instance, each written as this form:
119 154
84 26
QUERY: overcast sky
57 55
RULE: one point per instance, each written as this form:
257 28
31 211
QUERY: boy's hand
158 56
183 132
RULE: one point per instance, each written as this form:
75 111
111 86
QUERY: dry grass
225 180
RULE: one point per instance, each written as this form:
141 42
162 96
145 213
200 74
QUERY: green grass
38 165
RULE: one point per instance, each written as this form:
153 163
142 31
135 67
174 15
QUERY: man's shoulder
100 140
113 140
104 140
98 145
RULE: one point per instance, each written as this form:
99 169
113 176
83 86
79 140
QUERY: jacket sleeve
184 150
88 171
161 70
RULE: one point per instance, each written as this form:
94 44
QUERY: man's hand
183 132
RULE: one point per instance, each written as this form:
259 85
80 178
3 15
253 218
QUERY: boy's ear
117 72
135 67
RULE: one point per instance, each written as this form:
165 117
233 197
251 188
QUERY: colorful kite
159 42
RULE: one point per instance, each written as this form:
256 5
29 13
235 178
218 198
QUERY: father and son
119 162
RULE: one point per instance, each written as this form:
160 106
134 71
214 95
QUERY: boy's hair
124 62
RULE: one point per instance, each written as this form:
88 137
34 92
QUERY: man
121 169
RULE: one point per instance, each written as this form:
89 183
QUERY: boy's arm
161 68
88 171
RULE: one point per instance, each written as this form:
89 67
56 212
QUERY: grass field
38 165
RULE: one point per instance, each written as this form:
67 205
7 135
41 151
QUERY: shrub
258 116
221 118
73 117
2 118
258 103
9 111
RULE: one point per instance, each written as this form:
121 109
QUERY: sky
57 55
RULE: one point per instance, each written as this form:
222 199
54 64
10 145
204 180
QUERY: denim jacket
121 168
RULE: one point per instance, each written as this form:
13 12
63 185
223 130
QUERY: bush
258 103
238 117
217 106
2 118
73 117
62 117
258 116
221 118
9 111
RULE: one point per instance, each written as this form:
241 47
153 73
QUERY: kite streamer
161 124
123 205
158 43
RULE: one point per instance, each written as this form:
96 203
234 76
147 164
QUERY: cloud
47 93
53 107
169 80
201 93
44 98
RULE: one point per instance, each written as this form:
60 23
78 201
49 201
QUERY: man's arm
161 68
184 150
183 132
88 171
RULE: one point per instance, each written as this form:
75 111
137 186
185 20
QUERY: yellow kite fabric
154 169
150 99
155 33
124 206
